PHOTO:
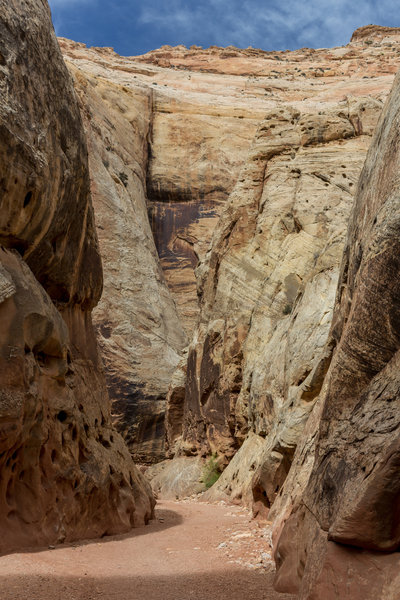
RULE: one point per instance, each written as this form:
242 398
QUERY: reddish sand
176 557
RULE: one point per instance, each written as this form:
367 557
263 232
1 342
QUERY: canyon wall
259 356
140 334
267 287
143 146
342 535
65 473
186 119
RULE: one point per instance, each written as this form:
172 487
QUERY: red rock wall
64 472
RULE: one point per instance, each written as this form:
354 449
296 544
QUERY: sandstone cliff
342 536
186 119
144 147
258 358
140 334
65 472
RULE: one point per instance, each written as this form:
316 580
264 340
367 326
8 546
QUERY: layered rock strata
342 536
259 356
199 110
64 471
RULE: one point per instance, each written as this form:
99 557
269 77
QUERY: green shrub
211 471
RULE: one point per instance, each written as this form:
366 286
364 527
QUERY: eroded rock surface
140 335
177 478
258 359
199 111
64 471
342 536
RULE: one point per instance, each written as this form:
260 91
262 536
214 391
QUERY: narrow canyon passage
190 551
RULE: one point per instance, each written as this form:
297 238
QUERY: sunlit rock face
259 356
273 265
65 473
149 305
340 535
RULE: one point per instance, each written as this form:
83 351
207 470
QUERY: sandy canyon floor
190 551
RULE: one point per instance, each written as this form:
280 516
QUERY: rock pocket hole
261 503
104 442
27 199
62 416
9 492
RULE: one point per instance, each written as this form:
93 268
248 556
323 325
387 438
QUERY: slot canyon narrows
200 318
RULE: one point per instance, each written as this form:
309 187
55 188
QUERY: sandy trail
190 551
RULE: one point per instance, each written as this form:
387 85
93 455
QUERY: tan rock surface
199 112
195 139
346 521
178 478
259 356
64 471
140 335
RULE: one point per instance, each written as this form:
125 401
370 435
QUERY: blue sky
136 26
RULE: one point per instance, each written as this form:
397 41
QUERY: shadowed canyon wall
186 119
341 525
65 473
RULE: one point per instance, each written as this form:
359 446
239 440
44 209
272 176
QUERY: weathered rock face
191 139
139 331
129 126
177 478
260 354
64 471
342 536
199 110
